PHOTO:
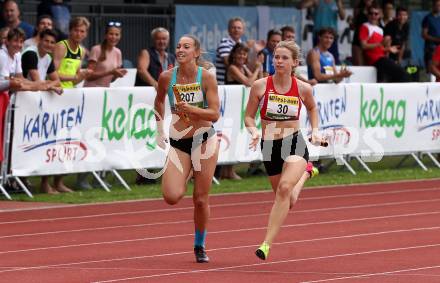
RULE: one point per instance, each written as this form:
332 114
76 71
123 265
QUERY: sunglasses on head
114 24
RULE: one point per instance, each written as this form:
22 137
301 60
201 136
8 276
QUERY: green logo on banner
120 122
383 113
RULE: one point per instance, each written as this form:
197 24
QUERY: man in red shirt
373 46
434 66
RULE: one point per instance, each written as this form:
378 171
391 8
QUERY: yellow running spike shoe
312 170
263 251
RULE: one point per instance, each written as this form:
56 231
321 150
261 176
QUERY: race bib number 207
191 94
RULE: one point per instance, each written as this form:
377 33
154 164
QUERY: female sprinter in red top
285 155
192 94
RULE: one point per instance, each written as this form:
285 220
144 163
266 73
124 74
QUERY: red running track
365 233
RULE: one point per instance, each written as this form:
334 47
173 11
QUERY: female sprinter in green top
192 94
285 155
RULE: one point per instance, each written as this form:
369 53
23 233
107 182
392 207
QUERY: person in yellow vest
67 58
69 54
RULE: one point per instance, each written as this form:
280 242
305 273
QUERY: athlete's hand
184 107
254 140
317 140
161 140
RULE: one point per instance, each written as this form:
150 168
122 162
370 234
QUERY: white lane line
376 274
282 243
229 248
269 263
216 232
186 221
414 183
173 209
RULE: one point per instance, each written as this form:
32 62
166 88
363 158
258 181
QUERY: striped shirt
223 50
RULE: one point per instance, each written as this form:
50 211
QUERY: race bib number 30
191 94
281 107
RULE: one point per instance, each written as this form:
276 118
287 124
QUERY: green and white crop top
190 93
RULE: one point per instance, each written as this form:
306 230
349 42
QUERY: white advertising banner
83 130
232 133
378 119
102 129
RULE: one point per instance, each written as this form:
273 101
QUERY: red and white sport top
372 34
280 107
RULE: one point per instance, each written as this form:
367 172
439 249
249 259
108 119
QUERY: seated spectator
154 60
238 72
321 63
371 38
11 18
105 59
273 38
397 34
43 22
60 13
